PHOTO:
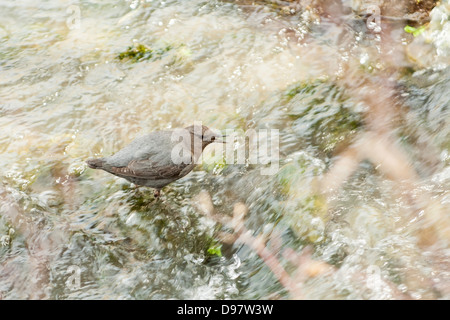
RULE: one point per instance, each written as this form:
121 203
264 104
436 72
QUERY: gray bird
159 158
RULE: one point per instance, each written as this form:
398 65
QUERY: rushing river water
70 232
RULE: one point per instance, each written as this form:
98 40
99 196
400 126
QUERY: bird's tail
95 163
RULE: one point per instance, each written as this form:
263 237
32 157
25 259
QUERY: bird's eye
213 138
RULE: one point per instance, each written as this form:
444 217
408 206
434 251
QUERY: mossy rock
140 52
322 114
213 162
303 209
316 115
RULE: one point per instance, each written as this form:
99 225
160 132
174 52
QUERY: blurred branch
378 91
306 266
41 247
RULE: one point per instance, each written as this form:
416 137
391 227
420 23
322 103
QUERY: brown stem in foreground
42 247
258 245
306 267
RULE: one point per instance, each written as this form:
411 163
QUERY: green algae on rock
141 52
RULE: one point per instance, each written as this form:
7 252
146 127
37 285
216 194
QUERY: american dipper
159 158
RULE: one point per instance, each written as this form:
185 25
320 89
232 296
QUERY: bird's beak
219 139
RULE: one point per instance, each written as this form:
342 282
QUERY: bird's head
205 135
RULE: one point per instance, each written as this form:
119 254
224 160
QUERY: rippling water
68 232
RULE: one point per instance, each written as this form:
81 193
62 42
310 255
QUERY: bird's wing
149 170
148 157
152 146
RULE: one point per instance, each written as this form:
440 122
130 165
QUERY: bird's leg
157 193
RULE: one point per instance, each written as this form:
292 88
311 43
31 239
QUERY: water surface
66 96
